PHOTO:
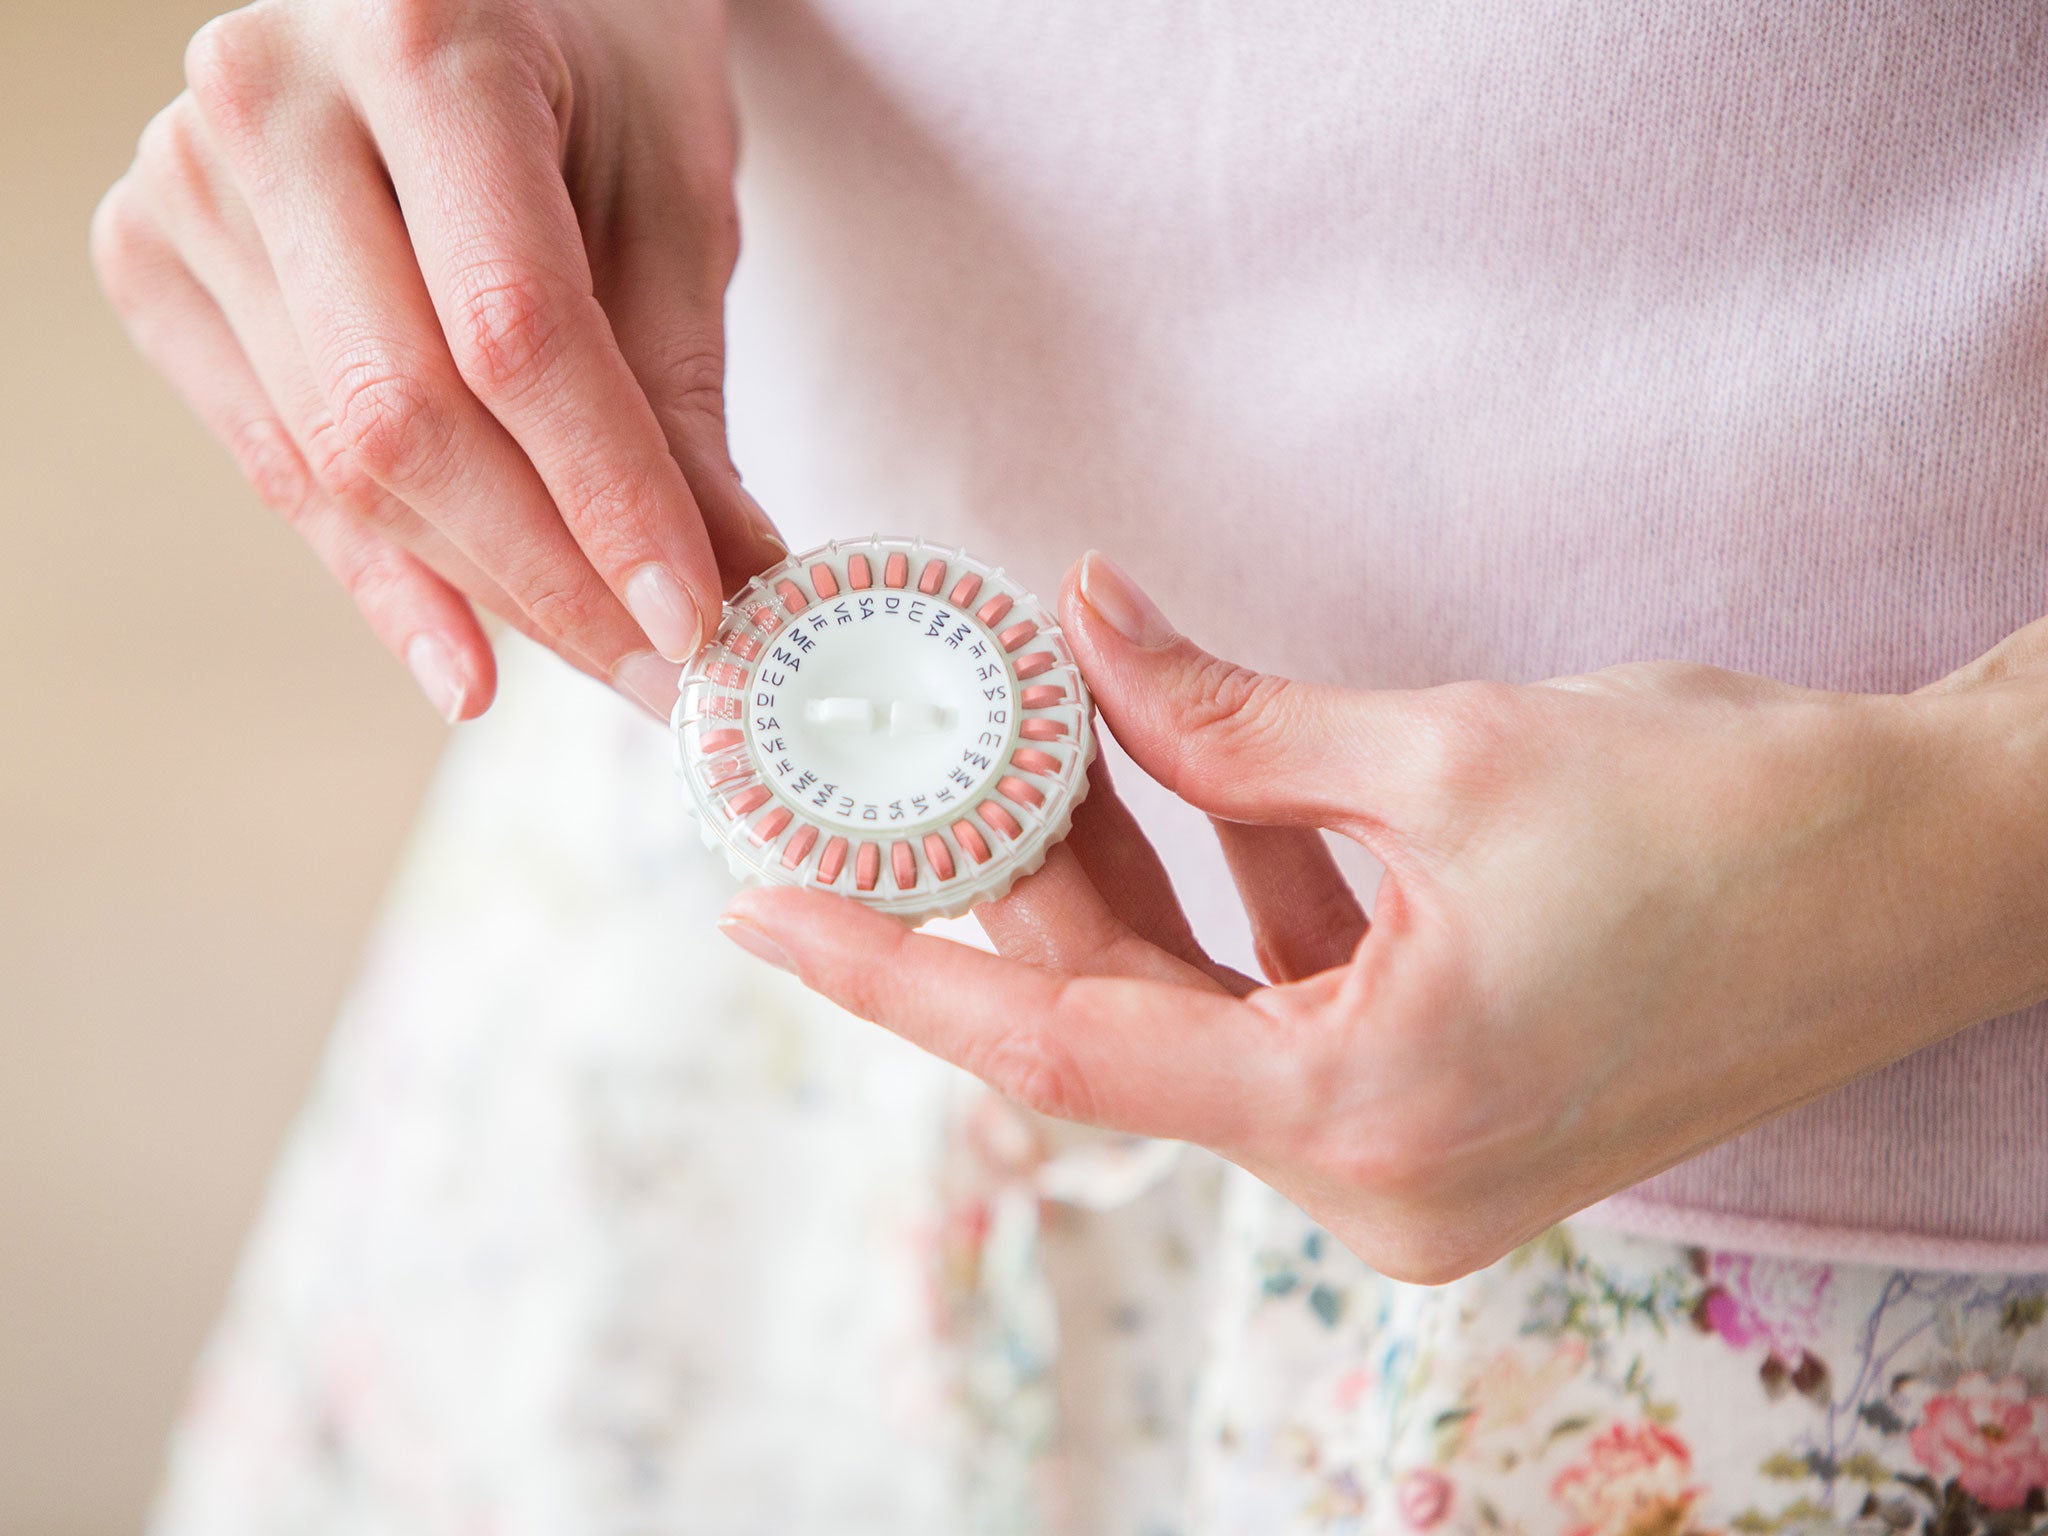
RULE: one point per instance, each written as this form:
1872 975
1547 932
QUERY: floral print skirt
594 1225
1602 1384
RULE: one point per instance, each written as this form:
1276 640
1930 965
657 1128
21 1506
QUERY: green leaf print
1326 1303
1786 1467
2024 1312
1570 1425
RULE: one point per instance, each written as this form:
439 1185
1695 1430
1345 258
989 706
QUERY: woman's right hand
447 277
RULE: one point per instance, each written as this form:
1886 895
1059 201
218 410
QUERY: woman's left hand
1624 916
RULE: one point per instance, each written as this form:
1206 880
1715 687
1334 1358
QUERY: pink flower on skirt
1990 1436
1781 1302
1632 1480
1424 1498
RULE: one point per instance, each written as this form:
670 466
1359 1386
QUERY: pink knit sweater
1400 343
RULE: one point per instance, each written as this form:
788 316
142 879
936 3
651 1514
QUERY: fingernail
661 606
764 528
650 679
1123 606
434 670
755 942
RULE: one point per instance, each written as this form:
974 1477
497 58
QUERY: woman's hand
447 278
1624 916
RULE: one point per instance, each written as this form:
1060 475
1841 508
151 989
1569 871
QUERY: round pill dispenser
886 719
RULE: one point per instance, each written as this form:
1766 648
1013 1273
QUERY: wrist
1977 824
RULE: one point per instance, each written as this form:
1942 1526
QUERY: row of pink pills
903 855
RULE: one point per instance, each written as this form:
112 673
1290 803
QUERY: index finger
502 252
1128 1053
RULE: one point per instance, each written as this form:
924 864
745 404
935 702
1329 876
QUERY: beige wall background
206 770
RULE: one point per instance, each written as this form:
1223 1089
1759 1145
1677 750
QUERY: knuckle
1685 679
334 468
449 41
1457 739
1036 1071
388 422
704 189
721 237
230 67
375 580
171 152
1474 713
1235 713
270 461
388 516
121 234
373 509
401 35
1234 700
560 610
689 384
506 324
607 516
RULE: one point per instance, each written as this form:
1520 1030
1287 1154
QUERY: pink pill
970 841
831 861
794 851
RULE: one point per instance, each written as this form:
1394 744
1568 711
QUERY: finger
499 245
423 620
663 283
420 617
1122 863
1057 918
1108 853
1132 1054
388 419
1305 917
223 252
179 182
1236 743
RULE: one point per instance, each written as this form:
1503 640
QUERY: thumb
1239 744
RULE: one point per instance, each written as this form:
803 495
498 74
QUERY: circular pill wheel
887 719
